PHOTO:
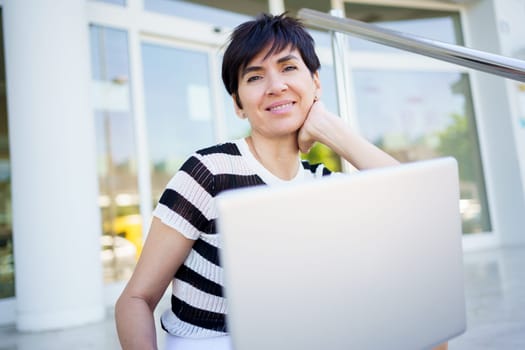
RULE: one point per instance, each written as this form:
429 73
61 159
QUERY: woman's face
276 93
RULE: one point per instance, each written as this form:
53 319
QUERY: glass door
179 106
121 241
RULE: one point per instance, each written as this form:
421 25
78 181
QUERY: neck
279 156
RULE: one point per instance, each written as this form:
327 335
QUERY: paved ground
495 292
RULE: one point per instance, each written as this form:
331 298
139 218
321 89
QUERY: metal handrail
464 56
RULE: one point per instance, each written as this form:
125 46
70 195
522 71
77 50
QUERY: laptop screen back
371 260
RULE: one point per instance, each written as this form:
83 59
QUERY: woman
271 71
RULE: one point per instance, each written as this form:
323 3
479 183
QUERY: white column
511 34
56 220
495 119
276 7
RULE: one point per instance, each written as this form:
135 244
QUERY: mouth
280 107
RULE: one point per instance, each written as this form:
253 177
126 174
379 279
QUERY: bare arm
164 251
329 129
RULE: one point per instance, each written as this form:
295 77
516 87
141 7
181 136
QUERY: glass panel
7 271
437 25
319 152
178 104
326 72
236 127
119 200
422 115
114 2
227 13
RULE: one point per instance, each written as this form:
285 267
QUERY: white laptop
371 260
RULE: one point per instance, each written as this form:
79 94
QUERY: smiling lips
280 107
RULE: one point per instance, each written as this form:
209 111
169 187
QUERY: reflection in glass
178 103
436 25
119 201
423 115
7 271
220 13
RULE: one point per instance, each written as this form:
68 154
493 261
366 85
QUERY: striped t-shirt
198 306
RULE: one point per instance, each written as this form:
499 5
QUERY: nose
276 85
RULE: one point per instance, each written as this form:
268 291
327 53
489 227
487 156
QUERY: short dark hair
250 38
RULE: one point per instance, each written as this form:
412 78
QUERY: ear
317 84
238 110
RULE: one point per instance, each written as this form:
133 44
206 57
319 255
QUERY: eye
253 78
289 68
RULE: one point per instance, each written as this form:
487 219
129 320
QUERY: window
7 272
416 108
118 197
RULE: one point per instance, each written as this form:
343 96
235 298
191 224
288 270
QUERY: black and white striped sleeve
187 204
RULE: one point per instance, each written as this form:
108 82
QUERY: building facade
102 100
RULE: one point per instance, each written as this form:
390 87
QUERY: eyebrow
258 68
